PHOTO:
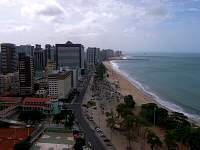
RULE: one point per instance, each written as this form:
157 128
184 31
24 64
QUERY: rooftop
33 99
9 99
10 136
60 75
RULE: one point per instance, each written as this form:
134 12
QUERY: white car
98 130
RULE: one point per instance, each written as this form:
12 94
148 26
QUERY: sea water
172 79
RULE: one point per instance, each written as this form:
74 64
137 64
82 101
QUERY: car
101 134
106 140
98 129
28 125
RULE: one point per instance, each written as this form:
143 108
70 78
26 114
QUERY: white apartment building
60 84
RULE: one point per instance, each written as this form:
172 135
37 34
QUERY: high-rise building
0 62
60 84
50 52
51 66
39 60
118 53
93 56
25 74
27 49
106 54
71 55
8 58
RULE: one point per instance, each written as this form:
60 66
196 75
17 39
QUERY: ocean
172 79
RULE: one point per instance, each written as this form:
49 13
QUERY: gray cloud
50 11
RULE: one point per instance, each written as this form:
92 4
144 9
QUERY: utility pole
154 116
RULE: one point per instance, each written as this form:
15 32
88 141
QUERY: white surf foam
169 105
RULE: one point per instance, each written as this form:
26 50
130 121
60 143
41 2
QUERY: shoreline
140 96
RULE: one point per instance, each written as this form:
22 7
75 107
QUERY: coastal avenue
90 133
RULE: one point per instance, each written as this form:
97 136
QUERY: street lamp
154 116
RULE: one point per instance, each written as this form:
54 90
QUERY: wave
124 57
169 105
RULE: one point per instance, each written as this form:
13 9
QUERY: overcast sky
128 25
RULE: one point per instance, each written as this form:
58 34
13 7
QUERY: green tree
111 121
153 140
149 111
161 117
170 140
69 119
23 145
123 110
100 71
31 115
129 121
128 100
79 144
194 139
177 121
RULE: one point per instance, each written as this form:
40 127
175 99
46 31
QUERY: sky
127 25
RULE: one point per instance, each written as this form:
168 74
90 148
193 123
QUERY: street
90 133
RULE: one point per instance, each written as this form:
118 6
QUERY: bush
91 103
79 144
177 121
151 110
194 139
100 71
148 111
128 100
23 145
31 115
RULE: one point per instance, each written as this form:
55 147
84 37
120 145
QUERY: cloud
46 11
10 28
98 20
50 11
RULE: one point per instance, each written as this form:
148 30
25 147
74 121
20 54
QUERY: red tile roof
9 99
33 99
35 106
10 136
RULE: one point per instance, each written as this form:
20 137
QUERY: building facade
39 60
25 74
106 54
9 84
8 58
50 52
93 56
27 49
9 106
60 84
69 54
51 66
37 104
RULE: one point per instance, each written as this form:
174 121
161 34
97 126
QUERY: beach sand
125 87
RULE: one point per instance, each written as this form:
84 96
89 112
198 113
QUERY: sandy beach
125 87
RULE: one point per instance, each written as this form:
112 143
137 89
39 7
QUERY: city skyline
146 25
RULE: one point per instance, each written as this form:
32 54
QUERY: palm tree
169 140
153 140
111 121
129 121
